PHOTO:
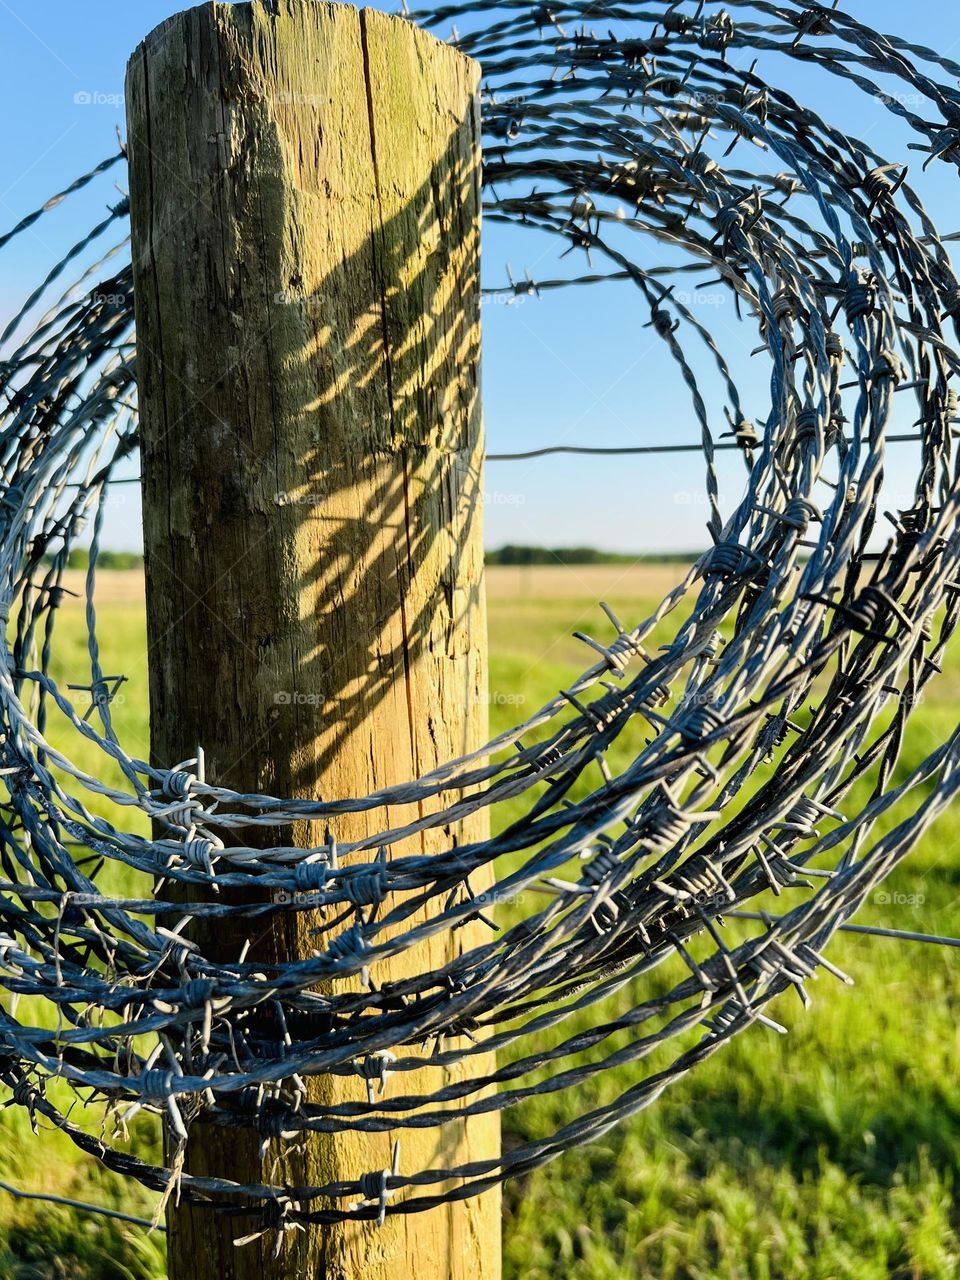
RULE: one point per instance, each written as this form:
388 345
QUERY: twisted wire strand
615 128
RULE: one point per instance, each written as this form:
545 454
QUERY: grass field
830 1153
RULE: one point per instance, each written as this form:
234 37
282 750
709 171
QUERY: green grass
829 1153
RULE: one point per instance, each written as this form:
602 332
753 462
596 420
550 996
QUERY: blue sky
572 367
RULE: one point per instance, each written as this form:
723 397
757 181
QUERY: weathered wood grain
305 203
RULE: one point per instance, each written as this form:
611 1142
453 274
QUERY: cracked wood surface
305 206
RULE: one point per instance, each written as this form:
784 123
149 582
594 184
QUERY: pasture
825 1154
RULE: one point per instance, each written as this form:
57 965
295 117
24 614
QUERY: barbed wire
768 760
613 451
619 451
81 1206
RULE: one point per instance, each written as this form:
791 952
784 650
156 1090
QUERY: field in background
827 1154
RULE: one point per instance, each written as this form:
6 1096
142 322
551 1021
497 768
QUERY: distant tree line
511 554
517 555
79 558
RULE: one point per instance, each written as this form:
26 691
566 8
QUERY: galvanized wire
617 128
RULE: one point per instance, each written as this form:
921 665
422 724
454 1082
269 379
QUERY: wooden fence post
304 185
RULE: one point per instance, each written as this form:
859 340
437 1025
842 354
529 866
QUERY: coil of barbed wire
610 127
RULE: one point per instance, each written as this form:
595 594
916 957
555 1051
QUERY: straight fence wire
613 451
772 721
619 451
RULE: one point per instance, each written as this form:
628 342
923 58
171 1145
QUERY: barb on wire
657 127
868 930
